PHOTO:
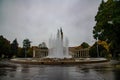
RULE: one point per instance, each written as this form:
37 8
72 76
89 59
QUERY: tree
85 45
26 45
93 51
42 45
30 52
4 47
20 52
102 50
14 48
107 26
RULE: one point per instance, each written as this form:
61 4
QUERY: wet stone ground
97 71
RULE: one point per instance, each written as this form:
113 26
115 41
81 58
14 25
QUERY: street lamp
97 44
97 48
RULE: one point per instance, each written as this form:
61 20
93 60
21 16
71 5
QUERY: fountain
58 54
58 47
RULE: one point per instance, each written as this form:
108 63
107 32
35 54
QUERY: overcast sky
38 19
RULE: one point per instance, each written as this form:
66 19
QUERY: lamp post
97 43
97 48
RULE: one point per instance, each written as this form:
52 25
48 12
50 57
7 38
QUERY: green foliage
4 47
107 26
26 43
102 52
14 48
26 46
30 52
85 45
42 45
93 51
20 52
8 50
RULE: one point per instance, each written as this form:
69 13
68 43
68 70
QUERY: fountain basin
57 61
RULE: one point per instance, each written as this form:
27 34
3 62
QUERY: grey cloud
38 19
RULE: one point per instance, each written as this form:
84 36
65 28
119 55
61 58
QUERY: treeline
10 50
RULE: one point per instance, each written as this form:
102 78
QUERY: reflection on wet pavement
97 71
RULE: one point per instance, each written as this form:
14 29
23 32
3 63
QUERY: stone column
33 53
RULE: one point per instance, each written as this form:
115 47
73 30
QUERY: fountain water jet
58 47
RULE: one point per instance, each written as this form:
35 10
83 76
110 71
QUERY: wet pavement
97 71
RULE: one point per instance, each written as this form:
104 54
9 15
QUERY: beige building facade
80 53
40 52
75 52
